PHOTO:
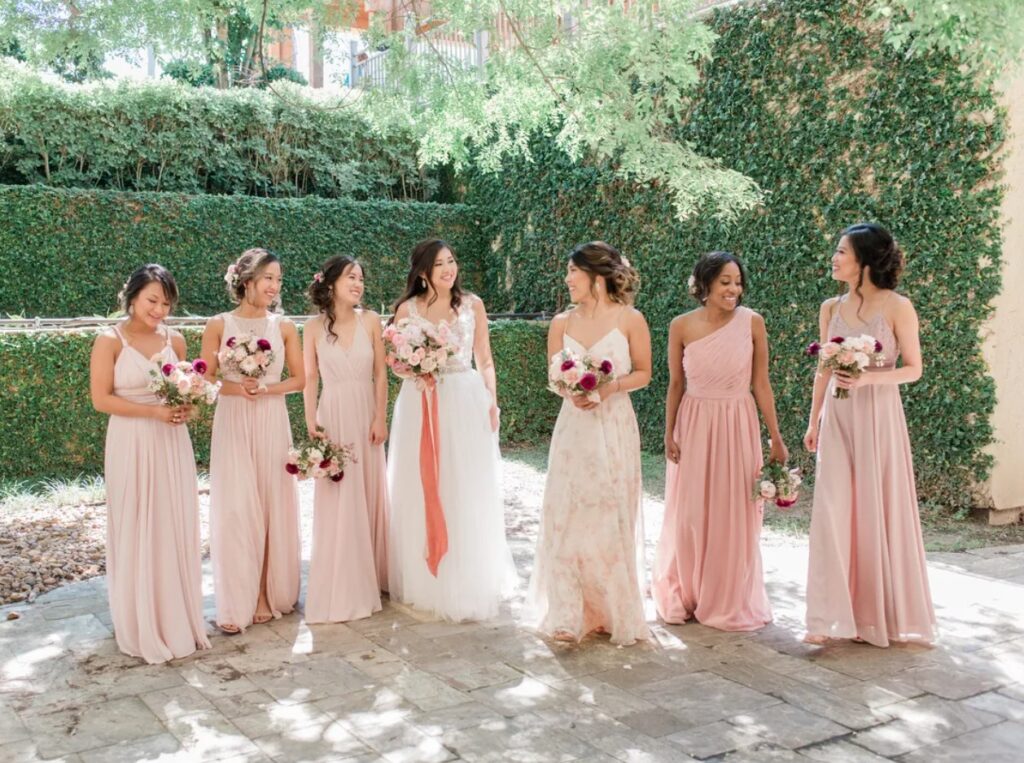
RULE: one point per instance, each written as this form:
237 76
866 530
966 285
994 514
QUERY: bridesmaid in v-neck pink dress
708 563
154 572
867 578
343 346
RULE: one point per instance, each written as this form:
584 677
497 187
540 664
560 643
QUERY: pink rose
571 377
846 358
828 351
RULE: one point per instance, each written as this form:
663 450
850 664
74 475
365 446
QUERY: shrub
51 430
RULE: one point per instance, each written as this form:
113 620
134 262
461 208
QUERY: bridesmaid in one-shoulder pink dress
254 511
343 346
154 573
708 562
867 578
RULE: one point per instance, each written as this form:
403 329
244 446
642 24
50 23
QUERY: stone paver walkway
401 687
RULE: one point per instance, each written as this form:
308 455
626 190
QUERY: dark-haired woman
254 517
465 576
708 562
154 573
587 571
343 346
867 578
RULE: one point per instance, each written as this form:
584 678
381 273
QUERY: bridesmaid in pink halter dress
587 570
708 563
867 578
254 502
154 572
343 346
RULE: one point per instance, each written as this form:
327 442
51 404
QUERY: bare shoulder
107 340
561 319
828 305
370 316
288 327
216 323
634 317
683 320
901 304
402 311
313 326
756 318
175 335
473 301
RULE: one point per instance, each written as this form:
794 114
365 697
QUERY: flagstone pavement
402 687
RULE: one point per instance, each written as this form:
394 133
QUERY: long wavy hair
417 282
321 289
875 249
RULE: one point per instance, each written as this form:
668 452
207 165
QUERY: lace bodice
463 331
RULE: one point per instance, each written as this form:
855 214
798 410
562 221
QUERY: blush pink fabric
708 562
867 576
348 565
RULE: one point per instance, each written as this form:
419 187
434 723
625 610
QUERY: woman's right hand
583 402
671 449
172 416
811 439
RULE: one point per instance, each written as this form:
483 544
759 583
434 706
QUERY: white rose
248 366
428 364
861 359
316 456
767 489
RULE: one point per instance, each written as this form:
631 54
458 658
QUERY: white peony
767 489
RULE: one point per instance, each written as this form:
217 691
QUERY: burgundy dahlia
167 368
263 344
199 366
291 468
338 477
230 342
588 381
784 503
813 348
325 464
837 339
567 364
606 366
878 346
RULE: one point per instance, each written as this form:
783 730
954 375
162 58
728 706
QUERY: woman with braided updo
586 577
254 502
343 347
867 578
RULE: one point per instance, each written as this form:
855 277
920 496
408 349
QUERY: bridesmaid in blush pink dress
154 573
254 513
867 579
708 563
343 346
587 572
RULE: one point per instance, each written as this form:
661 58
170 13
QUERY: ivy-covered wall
50 430
67 252
804 97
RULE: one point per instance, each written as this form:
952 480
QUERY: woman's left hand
846 380
778 451
378 431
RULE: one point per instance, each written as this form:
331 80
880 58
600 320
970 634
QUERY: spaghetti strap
117 330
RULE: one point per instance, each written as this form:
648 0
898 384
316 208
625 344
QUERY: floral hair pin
318 277
231 276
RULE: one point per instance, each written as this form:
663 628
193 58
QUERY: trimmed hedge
50 429
805 97
166 136
67 252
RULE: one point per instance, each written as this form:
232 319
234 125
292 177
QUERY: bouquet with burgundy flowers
318 457
776 482
416 349
247 355
848 354
570 374
182 383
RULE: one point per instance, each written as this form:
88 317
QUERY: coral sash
430 451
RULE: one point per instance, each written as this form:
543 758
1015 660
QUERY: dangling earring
423 282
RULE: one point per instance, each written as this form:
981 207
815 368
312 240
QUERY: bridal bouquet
415 348
849 354
319 457
571 374
247 355
182 383
775 481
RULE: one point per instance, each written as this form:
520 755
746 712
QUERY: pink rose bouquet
776 482
247 355
849 354
318 457
182 383
570 374
417 349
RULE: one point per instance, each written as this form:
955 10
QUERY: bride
462 568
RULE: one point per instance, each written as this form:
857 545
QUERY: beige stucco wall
1004 333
